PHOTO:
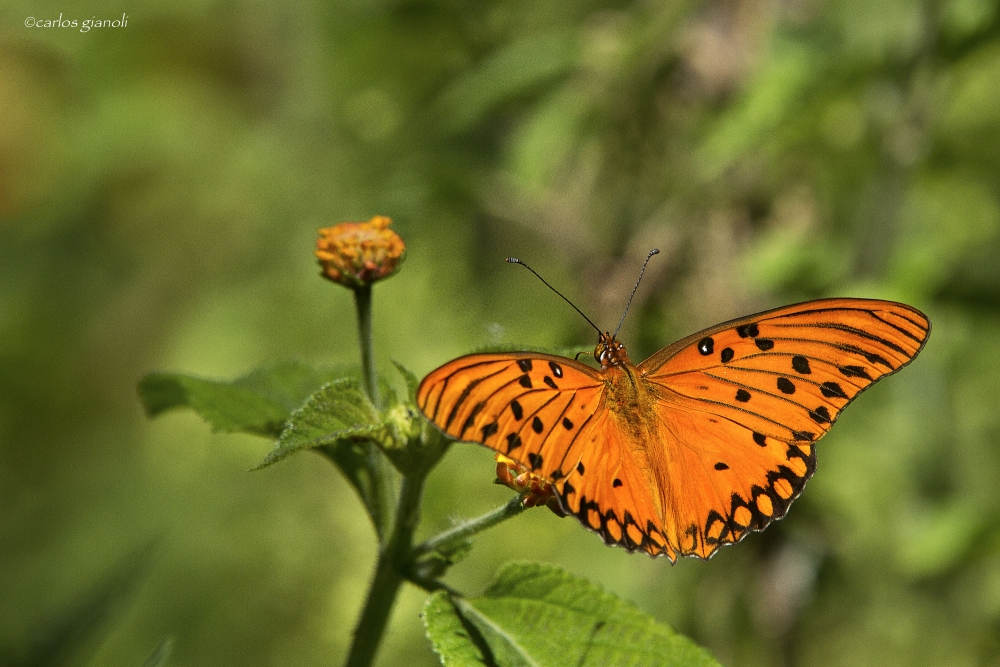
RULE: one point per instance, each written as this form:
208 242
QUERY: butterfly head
609 352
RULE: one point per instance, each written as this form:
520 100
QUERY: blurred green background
160 188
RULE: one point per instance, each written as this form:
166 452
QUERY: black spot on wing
513 442
820 415
535 460
727 355
556 369
742 395
832 390
786 386
616 483
763 344
748 330
524 364
721 466
706 345
760 439
517 410
579 467
489 430
854 372
550 382
567 424
525 382
536 425
801 365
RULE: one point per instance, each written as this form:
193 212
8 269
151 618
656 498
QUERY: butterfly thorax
626 393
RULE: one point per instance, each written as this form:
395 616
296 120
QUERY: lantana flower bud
356 254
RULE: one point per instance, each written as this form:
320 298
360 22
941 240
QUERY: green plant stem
392 562
469 528
363 302
380 469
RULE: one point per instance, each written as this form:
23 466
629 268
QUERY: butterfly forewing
745 401
534 408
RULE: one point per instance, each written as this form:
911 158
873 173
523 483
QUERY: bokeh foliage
160 187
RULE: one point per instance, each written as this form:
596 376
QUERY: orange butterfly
706 440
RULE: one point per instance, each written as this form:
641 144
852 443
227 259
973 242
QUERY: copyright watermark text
84 25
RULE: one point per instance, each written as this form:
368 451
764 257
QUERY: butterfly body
708 439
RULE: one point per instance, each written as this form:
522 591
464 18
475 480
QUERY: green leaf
289 383
223 405
340 421
449 636
257 403
438 561
538 615
411 380
339 411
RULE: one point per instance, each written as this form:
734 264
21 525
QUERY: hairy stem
469 528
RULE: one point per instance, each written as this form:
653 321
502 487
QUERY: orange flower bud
356 254
537 490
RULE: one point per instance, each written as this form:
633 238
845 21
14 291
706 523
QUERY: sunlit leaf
340 410
539 615
450 638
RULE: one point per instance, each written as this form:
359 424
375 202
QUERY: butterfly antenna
515 260
654 251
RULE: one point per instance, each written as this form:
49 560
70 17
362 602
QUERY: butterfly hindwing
610 495
531 407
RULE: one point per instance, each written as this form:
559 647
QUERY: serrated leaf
340 422
541 616
449 636
340 410
289 383
256 403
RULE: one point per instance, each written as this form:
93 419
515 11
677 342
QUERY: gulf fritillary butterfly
708 439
